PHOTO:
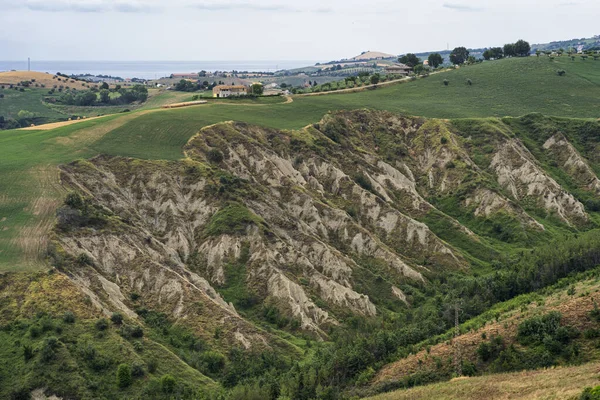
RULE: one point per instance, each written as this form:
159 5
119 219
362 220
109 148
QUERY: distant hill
577 44
40 78
372 55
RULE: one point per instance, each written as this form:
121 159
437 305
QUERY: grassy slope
554 383
505 87
503 319
30 100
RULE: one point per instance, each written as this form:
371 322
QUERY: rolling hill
307 249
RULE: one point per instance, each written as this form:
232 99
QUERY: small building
398 69
223 91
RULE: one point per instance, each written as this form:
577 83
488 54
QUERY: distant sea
150 69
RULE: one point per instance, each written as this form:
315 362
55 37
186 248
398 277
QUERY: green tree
522 48
104 96
104 86
123 375
459 55
410 60
435 60
510 50
257 89
375 78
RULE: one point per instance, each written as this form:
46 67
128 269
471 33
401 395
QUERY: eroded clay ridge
318 223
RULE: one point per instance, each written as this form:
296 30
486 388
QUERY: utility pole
457 353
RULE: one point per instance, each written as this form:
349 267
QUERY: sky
324 30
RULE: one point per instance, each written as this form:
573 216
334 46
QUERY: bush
213 361
214 156
561 72
590 393
446 82
101 324
535 329
116 318
469 82
47 352
167 383
123 375
69 317
137 369
131 331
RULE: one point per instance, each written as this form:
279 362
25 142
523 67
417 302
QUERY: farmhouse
229 90
398 69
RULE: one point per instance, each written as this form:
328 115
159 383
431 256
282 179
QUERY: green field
30 100
509 87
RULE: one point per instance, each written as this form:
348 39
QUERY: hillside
312 248
271 244
554 383
372 55
41 78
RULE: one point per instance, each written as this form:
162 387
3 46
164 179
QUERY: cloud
247 6
85 6
462 7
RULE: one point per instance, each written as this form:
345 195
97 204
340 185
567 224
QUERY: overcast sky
277 29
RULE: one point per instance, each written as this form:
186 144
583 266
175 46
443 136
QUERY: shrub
101 324
561 72
590 393
152 365
363 182
214 156
116 318
446 82
131 331
469 82
167 383
69 317
48 347
123 375
213 361
27 352
83 260
137 369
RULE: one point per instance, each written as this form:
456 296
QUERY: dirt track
54 125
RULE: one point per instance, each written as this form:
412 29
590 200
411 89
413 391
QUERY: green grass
30 100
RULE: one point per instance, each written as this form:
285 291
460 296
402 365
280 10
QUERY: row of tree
461 55
137 93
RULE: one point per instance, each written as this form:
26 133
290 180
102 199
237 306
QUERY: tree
257 89
459 55
419 69
435 60
410 60
509 50
104 85
522 48
123 375
104 96
375 78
